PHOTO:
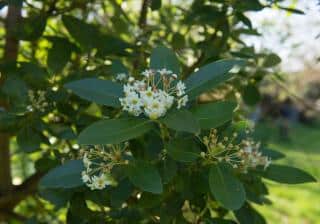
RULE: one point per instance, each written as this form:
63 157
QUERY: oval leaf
182 120
162 57
183 150
213 115
227 189
210 76
114 131
145 176
100 91
68 175
287 175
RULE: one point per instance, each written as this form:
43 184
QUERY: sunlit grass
297 204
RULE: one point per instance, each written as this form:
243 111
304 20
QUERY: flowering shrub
161 141
168 145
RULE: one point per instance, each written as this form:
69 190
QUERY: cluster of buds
243 156
154 95
99 161
37 100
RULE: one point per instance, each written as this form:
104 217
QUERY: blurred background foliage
47 43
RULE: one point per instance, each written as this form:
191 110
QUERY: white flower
121 77
85 177
147 73
164 71
182 101
180 88
86 161
99 182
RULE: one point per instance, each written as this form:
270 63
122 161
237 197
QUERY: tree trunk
10 55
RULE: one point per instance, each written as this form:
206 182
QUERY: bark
10 54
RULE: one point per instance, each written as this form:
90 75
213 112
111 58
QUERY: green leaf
145 176
100 91
209 76
89 37
59 54
9 122
28 140
35 75
31 28
213 115
182 120
68 175
248 215
292 10
251 95
17 92
118 67
155 4
58 197
287 175
273 154
183 150
226 188
114 131
121 193
86 35
271 60
162 57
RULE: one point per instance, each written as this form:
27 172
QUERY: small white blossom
182 102
121 77
148 73
180 88
164 71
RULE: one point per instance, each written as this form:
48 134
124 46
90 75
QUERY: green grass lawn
296 204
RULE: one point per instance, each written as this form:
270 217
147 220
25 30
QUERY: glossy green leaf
145 176
59 54
86 35
183 150
162 57
68 175
213 115
114 131
209 76
89 37
248 215
28 139
100 91
272 154
226 188
182 120
287 175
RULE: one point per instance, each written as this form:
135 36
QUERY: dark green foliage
72 50
114 131
225 187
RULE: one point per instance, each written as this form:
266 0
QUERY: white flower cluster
154 95
98 162
251 157
37 100
243 155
